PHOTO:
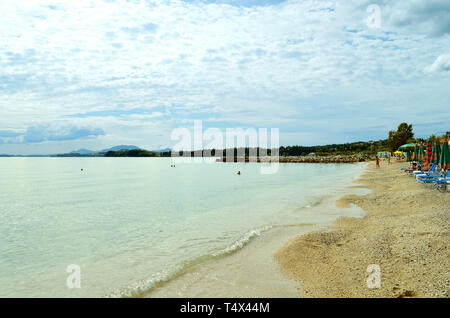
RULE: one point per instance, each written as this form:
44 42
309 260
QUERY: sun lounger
433 173
444 182
431 169
446 177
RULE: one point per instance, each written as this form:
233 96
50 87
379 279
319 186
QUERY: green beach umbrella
424 153
421 155
437 153
408 147
416 153
428 157
433 153
444 162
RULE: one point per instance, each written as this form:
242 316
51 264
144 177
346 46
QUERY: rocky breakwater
298 159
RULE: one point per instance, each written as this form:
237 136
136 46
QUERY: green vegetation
130 153
403 135
362 147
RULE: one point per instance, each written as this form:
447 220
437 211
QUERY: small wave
313 202
142 287
139 288
240 243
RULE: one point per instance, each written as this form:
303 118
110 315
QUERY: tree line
405 135
396 138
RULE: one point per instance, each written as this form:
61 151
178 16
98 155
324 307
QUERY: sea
123 227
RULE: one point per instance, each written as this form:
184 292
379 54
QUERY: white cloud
285 64
442 63
427 17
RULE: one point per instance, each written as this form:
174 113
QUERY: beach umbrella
425 154
433 153
437 153
444 161
428 157
430 152
421 155
418 155
408 147
415 155
408 156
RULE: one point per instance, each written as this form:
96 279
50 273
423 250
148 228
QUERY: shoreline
252 270
405 232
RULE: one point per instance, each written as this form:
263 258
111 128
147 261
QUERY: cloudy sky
98 73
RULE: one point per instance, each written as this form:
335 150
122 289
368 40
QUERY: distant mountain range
90 152
100 153
162 150
82 152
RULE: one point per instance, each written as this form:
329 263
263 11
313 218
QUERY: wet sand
405 233
250 272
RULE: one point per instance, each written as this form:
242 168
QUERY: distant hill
118 151
130 153
87 152
162 150
121 147
361 147
82 152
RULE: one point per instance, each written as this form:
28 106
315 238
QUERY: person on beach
413 167
377 160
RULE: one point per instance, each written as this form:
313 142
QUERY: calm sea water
131 223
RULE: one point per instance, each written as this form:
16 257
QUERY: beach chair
443 182
431 169
433 173
435 180
409 170
443 185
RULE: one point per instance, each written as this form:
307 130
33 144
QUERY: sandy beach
405 233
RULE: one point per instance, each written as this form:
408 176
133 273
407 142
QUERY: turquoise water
131 223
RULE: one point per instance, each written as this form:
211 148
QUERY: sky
99 73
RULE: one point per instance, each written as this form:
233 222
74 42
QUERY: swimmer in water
239 173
